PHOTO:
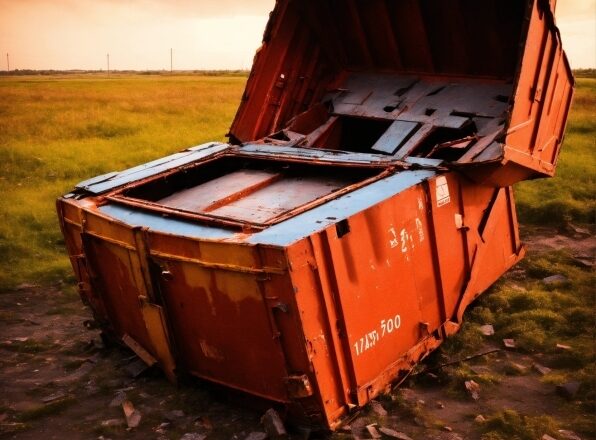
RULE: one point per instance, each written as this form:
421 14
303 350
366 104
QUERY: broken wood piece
372 431
378 408
53 397
133 416
541 369
139 351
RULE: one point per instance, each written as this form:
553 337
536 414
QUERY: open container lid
485 86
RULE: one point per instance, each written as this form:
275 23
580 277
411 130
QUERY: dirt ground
58 381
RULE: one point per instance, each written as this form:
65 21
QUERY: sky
204 34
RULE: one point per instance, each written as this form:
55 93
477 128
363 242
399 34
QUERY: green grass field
57 131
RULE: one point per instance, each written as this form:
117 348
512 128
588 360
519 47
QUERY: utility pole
7 63
108 56
171 60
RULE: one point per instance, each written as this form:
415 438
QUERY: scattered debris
568 435
447 428
21 339
473 389
372 431
112 423
555 280
432 377
193 436
139 350
174 415
568 390
54 397
509 343
487 330
547 437
133 416
563 347
480 418
27 286
162 428
394 434
377 408
541 369
136 368
440 405
357 427
577 231
125 389
204 423
513 368
118 400
256 436
420 402
274 426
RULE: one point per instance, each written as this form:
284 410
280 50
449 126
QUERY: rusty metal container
362 203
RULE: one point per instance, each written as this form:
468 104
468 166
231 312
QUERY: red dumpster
362 203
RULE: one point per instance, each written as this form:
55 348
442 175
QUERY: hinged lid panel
493 72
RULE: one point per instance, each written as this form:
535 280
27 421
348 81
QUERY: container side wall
71 224
381 289
220 314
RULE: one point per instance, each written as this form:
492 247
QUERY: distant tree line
23 72
585 73
581 73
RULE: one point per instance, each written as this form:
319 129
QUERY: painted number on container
368 341
405 240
